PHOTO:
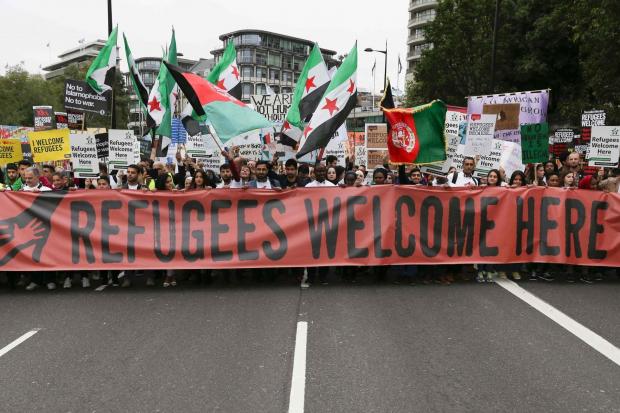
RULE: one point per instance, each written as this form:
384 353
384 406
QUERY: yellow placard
50 145
10 151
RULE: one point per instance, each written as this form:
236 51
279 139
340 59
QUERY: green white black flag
100 75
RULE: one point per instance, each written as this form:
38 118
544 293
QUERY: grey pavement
371 348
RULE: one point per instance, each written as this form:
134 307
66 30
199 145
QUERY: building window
287 62
261 58
247 72
274 60
424 15
261 73
250 39
274 75
287 76
261 89
298 63
246 90
300 48
245 56
275 88
286 45
286 90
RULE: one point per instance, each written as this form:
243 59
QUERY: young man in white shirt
466 177
320 175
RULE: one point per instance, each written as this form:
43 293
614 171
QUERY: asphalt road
370 348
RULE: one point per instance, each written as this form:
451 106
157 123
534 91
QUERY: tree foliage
20 91
569 46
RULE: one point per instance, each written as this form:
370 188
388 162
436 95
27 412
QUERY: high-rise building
149 69
267 58
78 56
421 12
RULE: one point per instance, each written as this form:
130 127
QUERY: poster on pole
62 122
490 161
75 120
604 146
121 148
273 107
480 133
101 139
195 146
376 145
84 155
591 118
535 143
532 109
51 145
10 151
43 118
80 97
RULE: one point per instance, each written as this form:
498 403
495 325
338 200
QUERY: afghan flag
136 80
416 135
100 75
313 81
225 74
163 96
229 116
339 99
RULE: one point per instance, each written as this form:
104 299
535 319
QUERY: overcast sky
28 25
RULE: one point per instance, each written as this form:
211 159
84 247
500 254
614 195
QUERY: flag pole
110 28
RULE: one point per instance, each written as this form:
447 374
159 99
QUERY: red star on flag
330 104
220 84
351 88
310 83
235 72
286 126
154 105
307 130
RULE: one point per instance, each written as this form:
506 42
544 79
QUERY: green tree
20 91
569 46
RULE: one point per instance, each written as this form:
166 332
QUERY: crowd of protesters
184 174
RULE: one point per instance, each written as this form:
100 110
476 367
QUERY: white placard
490 161
121 144
196 146
604 146
84 155
480 133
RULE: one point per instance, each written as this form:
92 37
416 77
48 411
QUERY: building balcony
420 21
416 39
419 5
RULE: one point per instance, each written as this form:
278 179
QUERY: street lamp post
370 50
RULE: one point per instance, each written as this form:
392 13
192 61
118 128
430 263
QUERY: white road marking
101 287
586 335
17 342
298 383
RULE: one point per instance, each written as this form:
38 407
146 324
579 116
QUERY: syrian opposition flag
162 98
225 74
313 81
416 135
229 116
136 80
100 75
333 108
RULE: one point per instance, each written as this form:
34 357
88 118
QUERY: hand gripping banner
380 225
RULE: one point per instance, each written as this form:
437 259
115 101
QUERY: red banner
307 227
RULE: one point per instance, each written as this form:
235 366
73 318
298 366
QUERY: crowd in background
185 174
